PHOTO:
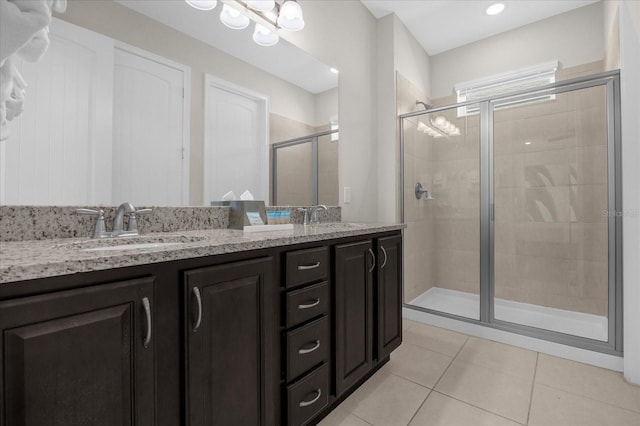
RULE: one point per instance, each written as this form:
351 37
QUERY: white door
59 149
150 158
236 147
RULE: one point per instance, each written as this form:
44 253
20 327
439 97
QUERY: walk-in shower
519 230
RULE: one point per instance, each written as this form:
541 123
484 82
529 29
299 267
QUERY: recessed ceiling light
495 8
334 70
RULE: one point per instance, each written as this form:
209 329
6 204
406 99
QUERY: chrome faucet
117 229
118 220
314 213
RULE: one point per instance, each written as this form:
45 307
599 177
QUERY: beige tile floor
441 378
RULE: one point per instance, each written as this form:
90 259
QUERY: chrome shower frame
611 80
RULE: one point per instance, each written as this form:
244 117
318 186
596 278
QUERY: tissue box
238 218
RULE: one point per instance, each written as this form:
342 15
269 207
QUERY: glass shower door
551 192
441 158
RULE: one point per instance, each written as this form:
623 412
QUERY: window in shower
442 240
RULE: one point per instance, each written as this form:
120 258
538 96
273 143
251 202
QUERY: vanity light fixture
261 5
202 4
495 8
269 16
290 17
233 19
440 127
264 36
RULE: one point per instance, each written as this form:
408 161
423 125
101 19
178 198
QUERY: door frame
213 82
186 106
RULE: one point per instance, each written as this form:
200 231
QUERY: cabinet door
354 312
229 344
389 295
79 357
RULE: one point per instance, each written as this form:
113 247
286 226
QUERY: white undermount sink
132 243
131 246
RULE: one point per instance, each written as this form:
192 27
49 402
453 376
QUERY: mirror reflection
157 103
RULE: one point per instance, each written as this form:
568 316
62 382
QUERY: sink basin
131 243
131 246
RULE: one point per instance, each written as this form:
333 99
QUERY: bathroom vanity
213 327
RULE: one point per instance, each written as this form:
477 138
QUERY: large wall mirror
158 103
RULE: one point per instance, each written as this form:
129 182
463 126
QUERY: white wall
342 34
399 51
630 75
326 106
388 168
573 38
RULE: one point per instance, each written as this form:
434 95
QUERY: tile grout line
533 385
617 407
452 360
479 408
360 418
420 406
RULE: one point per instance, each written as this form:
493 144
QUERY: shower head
425 105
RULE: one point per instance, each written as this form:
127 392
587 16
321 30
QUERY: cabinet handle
196 293
147 313
385 257
315 302
373 260
307 351
313 401
307 267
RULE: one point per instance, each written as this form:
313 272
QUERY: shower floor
468 305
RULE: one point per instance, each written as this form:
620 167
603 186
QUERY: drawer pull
147 313
313 401
308 351
315 302
307 267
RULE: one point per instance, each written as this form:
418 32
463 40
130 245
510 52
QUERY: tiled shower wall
294 163
550 195
442 236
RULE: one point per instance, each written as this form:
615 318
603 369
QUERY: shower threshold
468 305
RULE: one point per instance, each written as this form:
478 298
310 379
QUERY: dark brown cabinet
353 281
388 295
230 330
273 336
80 357
306 335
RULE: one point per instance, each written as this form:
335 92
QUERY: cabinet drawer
308 397
307 347
305 266
307 303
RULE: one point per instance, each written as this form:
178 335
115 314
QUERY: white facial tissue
246 196
229 196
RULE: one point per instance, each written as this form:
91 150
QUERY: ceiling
443 25
283 60
438 25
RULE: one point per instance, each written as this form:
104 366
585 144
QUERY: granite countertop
24 260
